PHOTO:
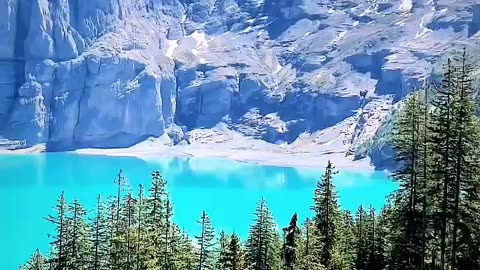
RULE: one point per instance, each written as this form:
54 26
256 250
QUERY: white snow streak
171 45
405 6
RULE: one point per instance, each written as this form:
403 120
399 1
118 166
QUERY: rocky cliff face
110 73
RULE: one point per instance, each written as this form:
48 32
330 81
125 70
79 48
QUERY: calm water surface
227 190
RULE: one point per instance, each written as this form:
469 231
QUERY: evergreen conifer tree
361 251
100 238
79 245
326 212
263 245
182 249
345 245
60 238
290 244
222 261
234 258
36 262
205 253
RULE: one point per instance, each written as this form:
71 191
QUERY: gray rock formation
111 73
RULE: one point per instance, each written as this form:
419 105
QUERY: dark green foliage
326 213
100 238
263 245
307 259
223 242
36 262
143 237
60 238
235 254
78 244
345 244
291 234
182 250
205 252
361 239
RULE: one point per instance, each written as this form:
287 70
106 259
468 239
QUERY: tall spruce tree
115 245
222 252
424 176
344 257
407 143
166 234
157 217
361 239
121 183
465 186
127 233
379 257
60 238
141 260
326 212
36 262
442 146
182 249
307 259
235 260
79 245
263 245
205 241
100 238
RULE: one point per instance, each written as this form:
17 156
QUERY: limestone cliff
110 73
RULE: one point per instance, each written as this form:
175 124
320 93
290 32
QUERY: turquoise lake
227 190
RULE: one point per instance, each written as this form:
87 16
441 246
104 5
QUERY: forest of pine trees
430 222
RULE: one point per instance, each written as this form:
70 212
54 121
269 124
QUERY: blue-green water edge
227 190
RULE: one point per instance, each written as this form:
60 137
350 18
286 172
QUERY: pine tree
157 217
326 211
442 146
345 244
466 166
120 181
376 241
126 237
205 240
36 262
262 246
222 262
361 249
234 258
79 246
307 259
60 239
424 176
115 245
290 244
99 238
141 254
382 244
182 249
407 143
166 233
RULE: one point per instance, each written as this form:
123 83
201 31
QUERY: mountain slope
111 73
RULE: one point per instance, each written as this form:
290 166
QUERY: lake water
227 190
